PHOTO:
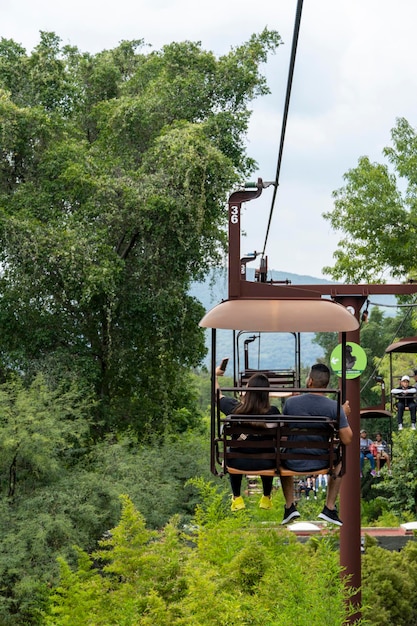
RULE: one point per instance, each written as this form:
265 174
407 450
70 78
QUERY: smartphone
223 364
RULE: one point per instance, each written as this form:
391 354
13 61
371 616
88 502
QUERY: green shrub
389 581
224 573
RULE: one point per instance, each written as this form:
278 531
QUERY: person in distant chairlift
366 446
382 453
406 398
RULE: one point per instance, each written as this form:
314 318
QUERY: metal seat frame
276 434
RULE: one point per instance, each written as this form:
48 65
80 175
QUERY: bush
78 502
222 573
389 581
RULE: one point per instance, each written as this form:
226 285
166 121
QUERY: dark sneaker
330 516
289 514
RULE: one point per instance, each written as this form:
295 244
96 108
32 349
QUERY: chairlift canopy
408 344
369 413
281 315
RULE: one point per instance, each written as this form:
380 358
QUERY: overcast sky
354 75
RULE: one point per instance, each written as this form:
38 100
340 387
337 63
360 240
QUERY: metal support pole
213 412
236 270
350 493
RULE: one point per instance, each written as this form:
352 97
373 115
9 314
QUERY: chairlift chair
407 345
272 315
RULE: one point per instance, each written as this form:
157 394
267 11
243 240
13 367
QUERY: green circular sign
355 360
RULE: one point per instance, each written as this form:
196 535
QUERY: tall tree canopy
376 212
114 172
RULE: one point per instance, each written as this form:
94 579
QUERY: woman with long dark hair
252 403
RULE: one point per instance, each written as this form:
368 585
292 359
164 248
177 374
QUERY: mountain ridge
218 278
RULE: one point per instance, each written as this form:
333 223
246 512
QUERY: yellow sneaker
265 502
237 504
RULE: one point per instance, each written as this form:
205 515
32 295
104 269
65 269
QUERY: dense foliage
114 171
222 573
400 489
389 580
183 561
58 490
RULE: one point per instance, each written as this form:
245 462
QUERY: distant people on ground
322 481
301 488
406 399
366 452
307 487
311 487
382 453
315 404
253 403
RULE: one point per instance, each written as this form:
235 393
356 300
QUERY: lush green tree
114 171
39 428
376 213
58 490
155 476
400 488
41 513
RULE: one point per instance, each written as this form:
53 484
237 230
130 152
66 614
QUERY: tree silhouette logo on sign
356 360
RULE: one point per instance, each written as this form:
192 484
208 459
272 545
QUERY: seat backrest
303 437
254 435
279 438
277 378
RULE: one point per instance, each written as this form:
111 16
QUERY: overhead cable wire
285 115
395 306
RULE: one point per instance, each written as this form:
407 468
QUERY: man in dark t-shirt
316 404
